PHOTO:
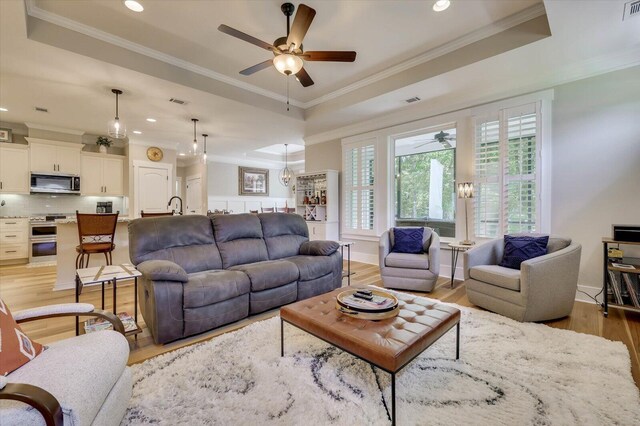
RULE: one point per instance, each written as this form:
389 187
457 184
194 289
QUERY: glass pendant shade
204 153
195 141
116 128
287 63
286 174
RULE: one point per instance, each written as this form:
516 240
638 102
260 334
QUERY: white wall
596 162
223 190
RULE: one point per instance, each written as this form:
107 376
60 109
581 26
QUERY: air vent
631 9
177 101
41 109
412 100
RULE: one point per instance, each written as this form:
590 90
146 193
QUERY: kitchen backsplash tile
34 204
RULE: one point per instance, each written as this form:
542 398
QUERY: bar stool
96 232
143 214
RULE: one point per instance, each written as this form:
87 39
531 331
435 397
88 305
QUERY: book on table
377 302
96 324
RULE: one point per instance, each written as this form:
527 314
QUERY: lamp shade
465 190
287 63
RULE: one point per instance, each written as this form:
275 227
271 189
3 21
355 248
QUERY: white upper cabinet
14 169
54 157
102 175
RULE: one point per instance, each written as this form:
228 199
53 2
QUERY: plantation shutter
359 180
505 181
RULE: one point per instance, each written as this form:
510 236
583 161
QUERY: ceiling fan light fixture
133 5
441 5
287 63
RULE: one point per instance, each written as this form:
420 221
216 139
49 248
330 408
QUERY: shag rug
509 373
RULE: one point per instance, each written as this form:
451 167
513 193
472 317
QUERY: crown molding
54 129
474 36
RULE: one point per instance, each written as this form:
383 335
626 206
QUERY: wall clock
154 153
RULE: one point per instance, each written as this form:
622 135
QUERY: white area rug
509 373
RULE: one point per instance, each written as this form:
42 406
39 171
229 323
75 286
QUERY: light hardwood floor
22 287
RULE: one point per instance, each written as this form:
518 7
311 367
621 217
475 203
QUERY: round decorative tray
343 305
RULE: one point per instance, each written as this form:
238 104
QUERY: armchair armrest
384 248
319 248
66 310
38 398
434 254
162 270
489 253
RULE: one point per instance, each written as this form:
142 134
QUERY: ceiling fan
442 138
289 55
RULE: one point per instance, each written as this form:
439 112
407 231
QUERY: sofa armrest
319 248
38 398
162 270
489 253
434 254
68 310
384 248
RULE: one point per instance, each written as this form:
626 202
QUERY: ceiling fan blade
304 78
246 37
332 56
424 144
301 23
257 67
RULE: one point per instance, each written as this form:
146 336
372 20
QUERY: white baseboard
591 291
371 259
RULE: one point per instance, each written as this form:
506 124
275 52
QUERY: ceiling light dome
441 5
133 5
287 63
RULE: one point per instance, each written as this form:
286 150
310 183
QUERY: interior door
194 195
152 190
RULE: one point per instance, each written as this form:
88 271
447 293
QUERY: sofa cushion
79 372
185 240
312 267
269 274
319 248
517 249
206 288
16 349
407 260
162 270
426 238
497 275
283 234
407 240
240 239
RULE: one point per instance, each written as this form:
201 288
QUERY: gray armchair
543 289
410 271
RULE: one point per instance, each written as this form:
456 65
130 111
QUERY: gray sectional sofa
199 273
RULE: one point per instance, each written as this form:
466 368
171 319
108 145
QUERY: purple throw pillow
407 240
518 249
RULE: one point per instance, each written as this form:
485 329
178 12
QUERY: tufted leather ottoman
388 344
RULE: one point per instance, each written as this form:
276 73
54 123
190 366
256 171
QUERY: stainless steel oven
43 239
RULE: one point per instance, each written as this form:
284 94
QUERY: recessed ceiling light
441 5
151 120
137 132
133 5
3 109
182 154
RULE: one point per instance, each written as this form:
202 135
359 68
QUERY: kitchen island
66 251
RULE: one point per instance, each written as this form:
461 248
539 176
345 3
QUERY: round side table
456 248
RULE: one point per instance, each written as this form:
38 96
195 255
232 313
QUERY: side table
456 248
103 275
348 273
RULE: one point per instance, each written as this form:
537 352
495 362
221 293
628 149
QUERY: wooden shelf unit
609 268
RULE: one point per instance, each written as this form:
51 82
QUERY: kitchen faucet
171 199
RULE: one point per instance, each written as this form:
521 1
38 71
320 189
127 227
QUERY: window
425 181
506 185
359 179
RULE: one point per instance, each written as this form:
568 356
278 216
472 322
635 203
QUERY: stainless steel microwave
55 184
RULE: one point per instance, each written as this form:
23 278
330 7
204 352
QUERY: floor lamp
465 191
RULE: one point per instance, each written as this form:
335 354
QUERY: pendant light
117 129
204 155
286 174
195 141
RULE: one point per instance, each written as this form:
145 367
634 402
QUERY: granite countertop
121 219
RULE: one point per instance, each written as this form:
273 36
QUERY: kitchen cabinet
14 239
54 157
102 174
14 169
